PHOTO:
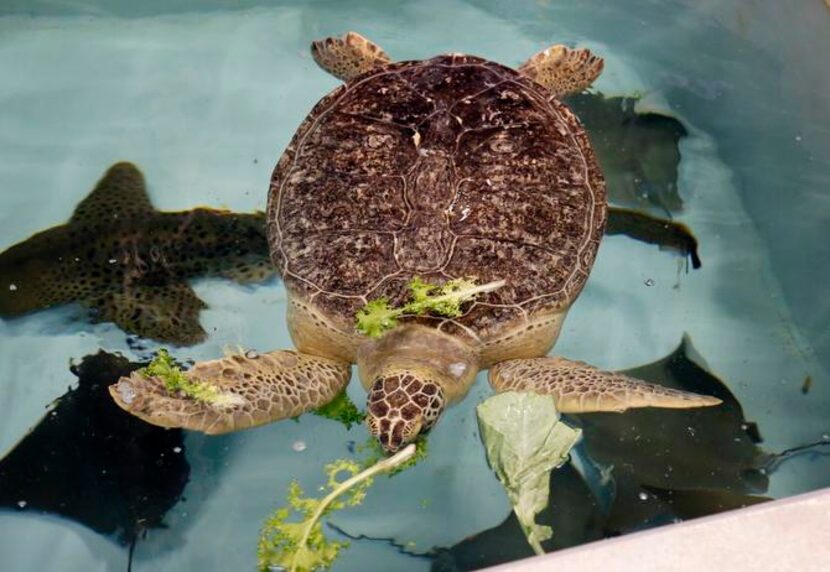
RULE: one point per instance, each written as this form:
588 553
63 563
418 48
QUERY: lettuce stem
381 466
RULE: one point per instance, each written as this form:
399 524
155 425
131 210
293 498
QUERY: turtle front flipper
348 57
577 387
234 392
563 70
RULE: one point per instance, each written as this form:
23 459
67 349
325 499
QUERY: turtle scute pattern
256 389
445 168
580 388
395 404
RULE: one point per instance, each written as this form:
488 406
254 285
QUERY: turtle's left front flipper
235 392
577 387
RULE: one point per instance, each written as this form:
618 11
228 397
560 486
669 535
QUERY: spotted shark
130 264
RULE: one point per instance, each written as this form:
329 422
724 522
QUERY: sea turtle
434 170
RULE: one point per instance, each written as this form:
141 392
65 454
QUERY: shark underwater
129 263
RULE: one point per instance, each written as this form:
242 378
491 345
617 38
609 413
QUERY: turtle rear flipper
348 57
235 392
563 70
577 387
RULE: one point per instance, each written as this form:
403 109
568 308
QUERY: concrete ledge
787 534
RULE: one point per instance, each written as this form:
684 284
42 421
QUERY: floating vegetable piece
164 368
301 546
377 317
525 440
341 409
376 453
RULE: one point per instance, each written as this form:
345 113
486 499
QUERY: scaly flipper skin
253 391
563 70
577 387
348 57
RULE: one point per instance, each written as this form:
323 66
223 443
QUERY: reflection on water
129 263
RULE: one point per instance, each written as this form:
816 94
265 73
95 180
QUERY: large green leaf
525 440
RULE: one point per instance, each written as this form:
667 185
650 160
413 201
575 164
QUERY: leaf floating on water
299 545
525 440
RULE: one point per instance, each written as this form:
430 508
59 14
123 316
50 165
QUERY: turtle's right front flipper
577 387
234 392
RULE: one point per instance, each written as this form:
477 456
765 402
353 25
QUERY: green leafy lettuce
375 452
175 381
377 317
341 409
525 440
292 537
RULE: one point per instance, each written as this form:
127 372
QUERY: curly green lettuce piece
300 545
377 317
525 440
175 381
341 409
375 453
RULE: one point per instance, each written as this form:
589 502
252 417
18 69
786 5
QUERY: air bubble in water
251 354
299 446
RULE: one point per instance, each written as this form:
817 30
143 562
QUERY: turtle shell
444 168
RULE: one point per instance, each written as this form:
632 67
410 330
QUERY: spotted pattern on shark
129 263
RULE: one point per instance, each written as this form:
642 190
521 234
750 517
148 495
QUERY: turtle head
403 403
411 374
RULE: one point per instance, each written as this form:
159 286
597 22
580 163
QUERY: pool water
204 99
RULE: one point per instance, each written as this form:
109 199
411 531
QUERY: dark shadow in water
661 232
91 462
573 512
663 465
638 152
129 263
710 449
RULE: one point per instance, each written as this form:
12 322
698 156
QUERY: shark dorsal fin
119 194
